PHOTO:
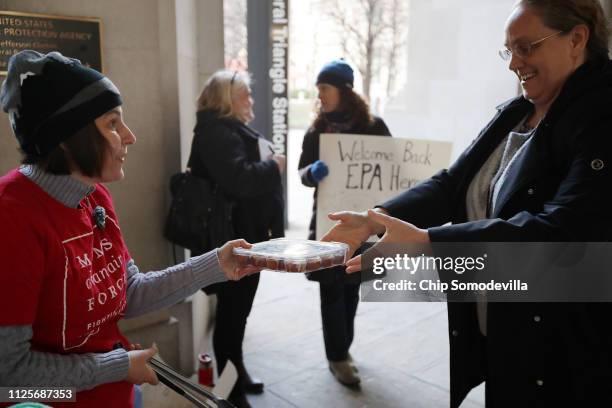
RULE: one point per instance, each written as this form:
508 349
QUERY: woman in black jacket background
341 111
241 162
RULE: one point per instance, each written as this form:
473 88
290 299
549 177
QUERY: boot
250 385
352 363
238 398
344 373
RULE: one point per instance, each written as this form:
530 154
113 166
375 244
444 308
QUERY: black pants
338 307
234 302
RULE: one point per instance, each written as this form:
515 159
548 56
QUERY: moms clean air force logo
94 283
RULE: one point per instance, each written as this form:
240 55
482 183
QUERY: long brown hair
354 105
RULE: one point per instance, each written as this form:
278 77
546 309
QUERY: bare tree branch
371 32
398 39
235 31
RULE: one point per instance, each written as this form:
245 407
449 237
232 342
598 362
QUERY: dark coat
226 151
310 154
535 354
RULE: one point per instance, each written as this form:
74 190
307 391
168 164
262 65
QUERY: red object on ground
205 370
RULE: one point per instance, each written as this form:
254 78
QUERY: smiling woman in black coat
540 171
236 157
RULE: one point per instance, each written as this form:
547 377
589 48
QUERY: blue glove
318 171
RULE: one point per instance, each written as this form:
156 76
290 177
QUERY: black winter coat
226 151
310 154
534 354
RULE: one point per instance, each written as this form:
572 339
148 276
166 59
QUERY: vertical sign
268 57
278 74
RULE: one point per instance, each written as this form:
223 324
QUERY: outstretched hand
229 263
396 232
353 228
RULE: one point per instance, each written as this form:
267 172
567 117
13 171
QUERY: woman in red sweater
67 276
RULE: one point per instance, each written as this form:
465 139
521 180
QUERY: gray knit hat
50 97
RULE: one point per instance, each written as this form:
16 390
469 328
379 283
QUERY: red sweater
64 276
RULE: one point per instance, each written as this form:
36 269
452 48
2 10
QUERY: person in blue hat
341 110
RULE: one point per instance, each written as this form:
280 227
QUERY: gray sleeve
20 366
151 291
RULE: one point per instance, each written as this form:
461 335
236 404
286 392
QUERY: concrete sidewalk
401 350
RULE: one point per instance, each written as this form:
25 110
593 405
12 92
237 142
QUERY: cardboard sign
367 170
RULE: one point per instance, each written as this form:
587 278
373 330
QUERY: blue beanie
50 97
337 73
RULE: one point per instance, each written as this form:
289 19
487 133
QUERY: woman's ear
579 39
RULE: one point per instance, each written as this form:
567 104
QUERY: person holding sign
540 171
341 110
67 276
242 163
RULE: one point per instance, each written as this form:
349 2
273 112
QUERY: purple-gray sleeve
20 366
151 291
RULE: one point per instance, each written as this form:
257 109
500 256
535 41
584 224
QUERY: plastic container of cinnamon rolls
293 255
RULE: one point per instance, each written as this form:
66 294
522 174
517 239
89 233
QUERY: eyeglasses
233 77
524 49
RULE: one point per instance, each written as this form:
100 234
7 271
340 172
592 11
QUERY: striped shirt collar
64 188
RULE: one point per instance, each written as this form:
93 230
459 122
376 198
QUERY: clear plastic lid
293 255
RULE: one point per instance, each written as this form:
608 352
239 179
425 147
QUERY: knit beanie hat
51 97
337 73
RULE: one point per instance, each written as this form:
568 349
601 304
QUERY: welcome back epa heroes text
359 152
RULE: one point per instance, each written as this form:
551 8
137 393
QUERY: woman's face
545 69
243 101
329 96
118 137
